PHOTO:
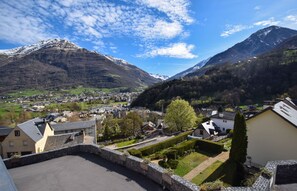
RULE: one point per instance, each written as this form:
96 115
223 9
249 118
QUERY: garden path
198 169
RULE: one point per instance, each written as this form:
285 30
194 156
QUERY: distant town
191 143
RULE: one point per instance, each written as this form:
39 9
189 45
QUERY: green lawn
199 179
27 93
187 163
126 143
80 90
217 171
9 107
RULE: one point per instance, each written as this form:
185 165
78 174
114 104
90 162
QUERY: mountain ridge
269 76
257 43
58 63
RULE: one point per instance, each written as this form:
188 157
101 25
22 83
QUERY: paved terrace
79 172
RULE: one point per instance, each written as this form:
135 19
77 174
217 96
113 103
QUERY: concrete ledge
134 164
155 173
90 148
113 156
39 157
180 184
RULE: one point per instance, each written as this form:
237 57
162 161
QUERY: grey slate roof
73 125
226 115
63 140
4 131
287 109
34 128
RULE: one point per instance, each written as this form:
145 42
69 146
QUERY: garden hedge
148 150
135 153
185 146
209 146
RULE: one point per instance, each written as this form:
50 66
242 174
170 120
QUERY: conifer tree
238 150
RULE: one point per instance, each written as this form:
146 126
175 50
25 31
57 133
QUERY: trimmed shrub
157 156
163 164
148 150
135 153
172 163
185 146
209 146
171 154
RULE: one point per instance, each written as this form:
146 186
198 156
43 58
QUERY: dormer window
17 133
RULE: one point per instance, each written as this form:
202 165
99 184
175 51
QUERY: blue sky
159 36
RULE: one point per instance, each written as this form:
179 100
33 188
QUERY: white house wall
223 124
270 137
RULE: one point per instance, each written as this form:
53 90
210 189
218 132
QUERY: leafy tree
126 129
107 132
131 124
24 116
74 106
111 127
180 115
153 117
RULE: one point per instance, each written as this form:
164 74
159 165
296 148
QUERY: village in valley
148 95
194 143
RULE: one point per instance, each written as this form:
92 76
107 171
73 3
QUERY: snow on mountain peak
117 60
159 76
25 50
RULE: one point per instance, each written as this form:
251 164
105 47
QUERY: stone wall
282 171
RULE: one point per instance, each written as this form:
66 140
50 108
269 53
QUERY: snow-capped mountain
117 60
159 76
258 43
59 63
25 50
190 70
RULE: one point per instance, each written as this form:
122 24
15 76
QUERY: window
225 121
11 144
17 133
201 132
25 143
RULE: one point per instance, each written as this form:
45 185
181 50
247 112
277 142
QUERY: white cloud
257 8
145 22
159 29
289 21
175 9
268 22
22 29
231 29
177 50
292 18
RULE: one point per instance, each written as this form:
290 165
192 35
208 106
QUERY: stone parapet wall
282 171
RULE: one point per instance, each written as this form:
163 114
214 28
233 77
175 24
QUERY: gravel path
198 169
